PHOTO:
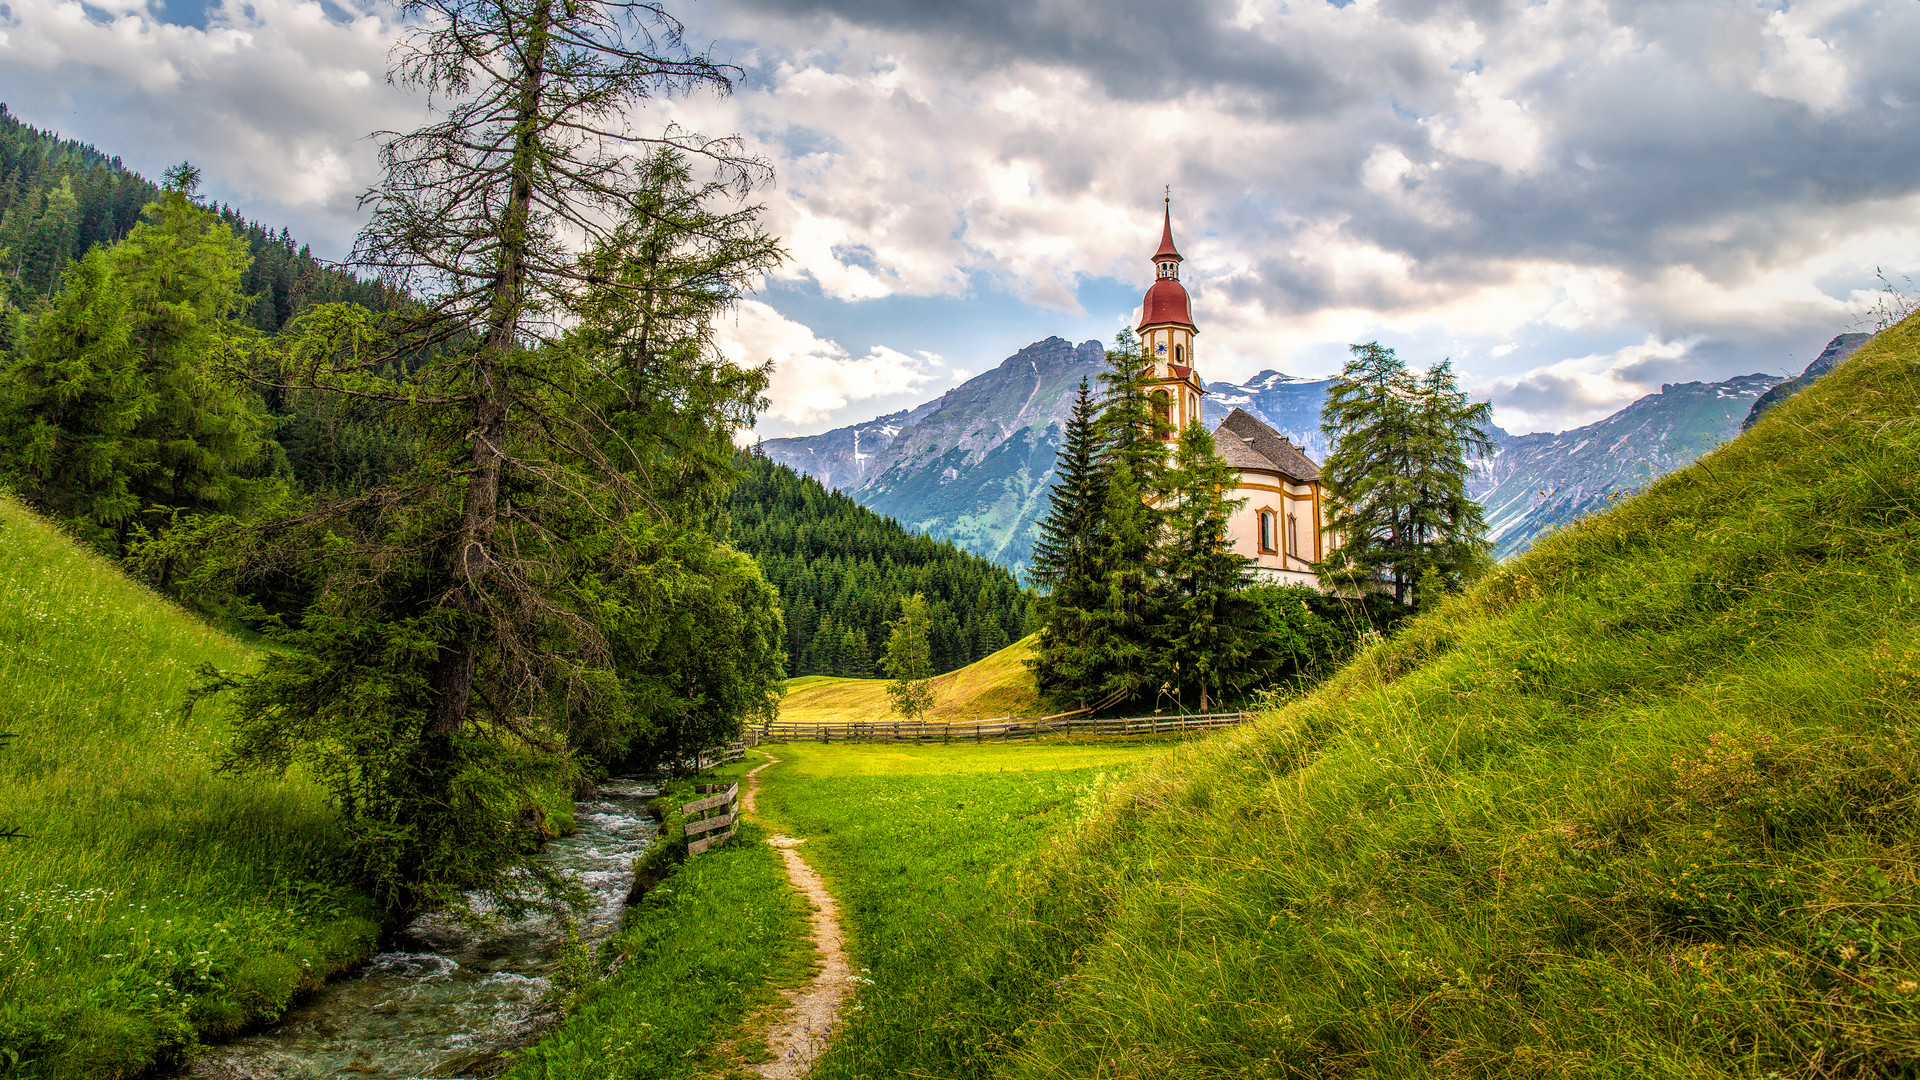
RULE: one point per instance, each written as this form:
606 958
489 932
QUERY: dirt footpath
802 1031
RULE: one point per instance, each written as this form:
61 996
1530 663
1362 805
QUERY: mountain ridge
974 465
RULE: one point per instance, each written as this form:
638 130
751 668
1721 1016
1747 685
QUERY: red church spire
1166 299
1167 250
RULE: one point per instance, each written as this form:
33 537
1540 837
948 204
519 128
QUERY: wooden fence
1006 727
711 819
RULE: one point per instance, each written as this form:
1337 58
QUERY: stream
445 1000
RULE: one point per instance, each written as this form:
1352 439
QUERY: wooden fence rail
1005 727
712 828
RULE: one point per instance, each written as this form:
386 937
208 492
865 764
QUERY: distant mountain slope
1831 357
1536 482
975 465
59 197
1287 404
841 570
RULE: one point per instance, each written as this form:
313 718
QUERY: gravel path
801 1032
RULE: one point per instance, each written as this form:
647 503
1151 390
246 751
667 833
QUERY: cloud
272 98
815 378
1445 175
1579 391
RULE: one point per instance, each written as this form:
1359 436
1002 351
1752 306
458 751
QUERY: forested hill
841 570
59 198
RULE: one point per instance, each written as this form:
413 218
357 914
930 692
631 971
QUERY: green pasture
920 845
151 901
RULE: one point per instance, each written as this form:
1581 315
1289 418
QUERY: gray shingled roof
1246 443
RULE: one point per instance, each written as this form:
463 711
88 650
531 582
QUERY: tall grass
151 901
1643 804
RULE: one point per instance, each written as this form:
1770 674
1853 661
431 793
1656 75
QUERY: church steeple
1166 333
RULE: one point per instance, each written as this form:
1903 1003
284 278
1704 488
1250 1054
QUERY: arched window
1266 530
1179 354
1162 407
1293 535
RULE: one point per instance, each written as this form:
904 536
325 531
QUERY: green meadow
919 845
151 902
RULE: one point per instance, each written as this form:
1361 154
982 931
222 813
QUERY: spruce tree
1124 624
1066 558
1210 626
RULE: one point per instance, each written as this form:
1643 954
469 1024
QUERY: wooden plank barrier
1005 727
716 829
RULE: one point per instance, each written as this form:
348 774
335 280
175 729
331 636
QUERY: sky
1576 201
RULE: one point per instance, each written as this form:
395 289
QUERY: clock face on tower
1161 348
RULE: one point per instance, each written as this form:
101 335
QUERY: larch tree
1396 476
121 407
536 593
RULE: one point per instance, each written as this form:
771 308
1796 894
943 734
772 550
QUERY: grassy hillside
1643 804
996 685
150 898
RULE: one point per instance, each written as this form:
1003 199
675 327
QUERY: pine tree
909 661
1210 625
1066 557
1396 477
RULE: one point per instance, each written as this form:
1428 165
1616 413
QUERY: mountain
1536 482
1836 351
1287 404
973 466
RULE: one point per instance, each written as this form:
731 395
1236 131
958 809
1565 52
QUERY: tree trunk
473 543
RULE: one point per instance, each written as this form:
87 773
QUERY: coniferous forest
59 198
842 571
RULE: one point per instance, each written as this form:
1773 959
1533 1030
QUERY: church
1282 523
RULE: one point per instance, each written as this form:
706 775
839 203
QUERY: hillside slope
1640 805
151 898
998 685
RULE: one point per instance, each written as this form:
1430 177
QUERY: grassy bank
698 953
1643 804
151 901
916 843
996 685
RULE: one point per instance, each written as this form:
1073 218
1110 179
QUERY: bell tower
1166 334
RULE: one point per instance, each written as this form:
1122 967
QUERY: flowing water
446 1000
